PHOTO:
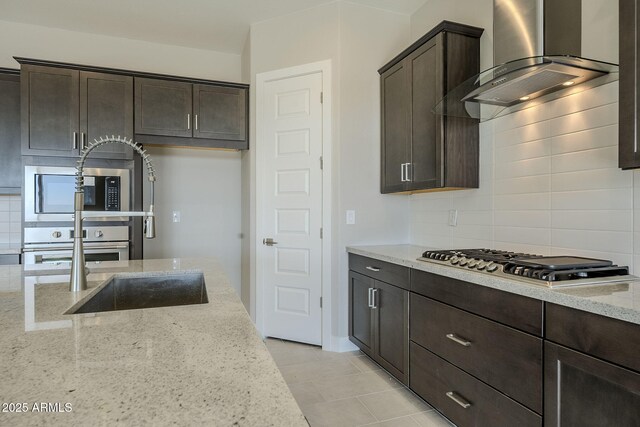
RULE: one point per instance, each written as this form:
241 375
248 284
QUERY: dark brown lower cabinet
379 322
462 398
581 390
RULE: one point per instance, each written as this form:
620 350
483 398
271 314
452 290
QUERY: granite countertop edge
407 255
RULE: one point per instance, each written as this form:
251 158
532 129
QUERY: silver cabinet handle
75 140
370 302
374 297
83 140
372 268
408 171
458 340
459 400
402 173
269 241
188 121
196 121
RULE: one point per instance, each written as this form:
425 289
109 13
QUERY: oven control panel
112 193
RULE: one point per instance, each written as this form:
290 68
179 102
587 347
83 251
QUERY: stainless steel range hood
529 75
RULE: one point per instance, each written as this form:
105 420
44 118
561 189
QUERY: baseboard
340 345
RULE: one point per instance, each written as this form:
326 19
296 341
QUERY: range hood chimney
538 46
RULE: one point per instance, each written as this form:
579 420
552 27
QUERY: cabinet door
360 314
391 310
49 98
163 107
395 103
10 158
581 390
106 108
220 113
629 150
425 76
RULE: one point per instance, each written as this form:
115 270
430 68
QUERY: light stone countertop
201 364
617 300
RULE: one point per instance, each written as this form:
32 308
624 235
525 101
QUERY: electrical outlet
351 217
453 217
176 216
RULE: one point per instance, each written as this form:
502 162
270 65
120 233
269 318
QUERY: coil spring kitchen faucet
78 279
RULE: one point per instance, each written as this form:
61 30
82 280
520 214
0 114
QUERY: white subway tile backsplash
11 220
518 202
536 219
603 241
584 100
597 158
592 220
538 166
525 184
532 132
524 235
605 136
612 199
524 151
592 179
605 115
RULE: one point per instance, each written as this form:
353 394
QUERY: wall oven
51 248
49 192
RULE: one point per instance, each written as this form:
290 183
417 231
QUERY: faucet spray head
150 226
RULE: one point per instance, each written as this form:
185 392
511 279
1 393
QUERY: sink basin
127 292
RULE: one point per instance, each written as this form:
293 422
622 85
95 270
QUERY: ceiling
220 25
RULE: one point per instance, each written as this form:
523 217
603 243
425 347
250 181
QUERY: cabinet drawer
435 379
604 337
504 358
514 310
394 274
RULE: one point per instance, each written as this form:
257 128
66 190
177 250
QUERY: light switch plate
176 216
453 217
351 217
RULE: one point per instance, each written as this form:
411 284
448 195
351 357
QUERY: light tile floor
348 389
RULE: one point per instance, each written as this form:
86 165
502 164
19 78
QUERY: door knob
269 241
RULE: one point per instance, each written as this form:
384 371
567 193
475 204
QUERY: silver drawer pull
458 340
372 268
459 400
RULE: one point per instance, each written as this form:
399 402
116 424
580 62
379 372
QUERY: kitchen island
198 364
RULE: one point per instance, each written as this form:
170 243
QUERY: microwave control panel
112 193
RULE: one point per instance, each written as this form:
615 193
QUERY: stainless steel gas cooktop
548 271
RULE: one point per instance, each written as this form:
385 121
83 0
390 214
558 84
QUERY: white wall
549 179
203 185
357 40
33 41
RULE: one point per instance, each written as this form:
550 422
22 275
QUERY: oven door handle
87 247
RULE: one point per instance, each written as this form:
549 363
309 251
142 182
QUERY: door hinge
320 302
321 232
321 97
321 163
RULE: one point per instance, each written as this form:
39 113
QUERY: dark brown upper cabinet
183 113
65 109
422 151
10 153
628 142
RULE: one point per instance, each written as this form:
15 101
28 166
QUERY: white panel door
291 141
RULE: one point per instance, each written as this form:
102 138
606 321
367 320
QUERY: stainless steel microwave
49 192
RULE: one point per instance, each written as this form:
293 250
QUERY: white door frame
323 67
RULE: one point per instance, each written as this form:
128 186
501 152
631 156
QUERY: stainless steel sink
127 292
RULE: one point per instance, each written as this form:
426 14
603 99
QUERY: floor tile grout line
368 410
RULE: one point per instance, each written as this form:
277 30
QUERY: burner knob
447 257
473 263
56 234
491 267
463 261
98 233
454 260
481 265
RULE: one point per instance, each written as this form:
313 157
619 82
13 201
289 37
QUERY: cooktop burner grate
550 271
